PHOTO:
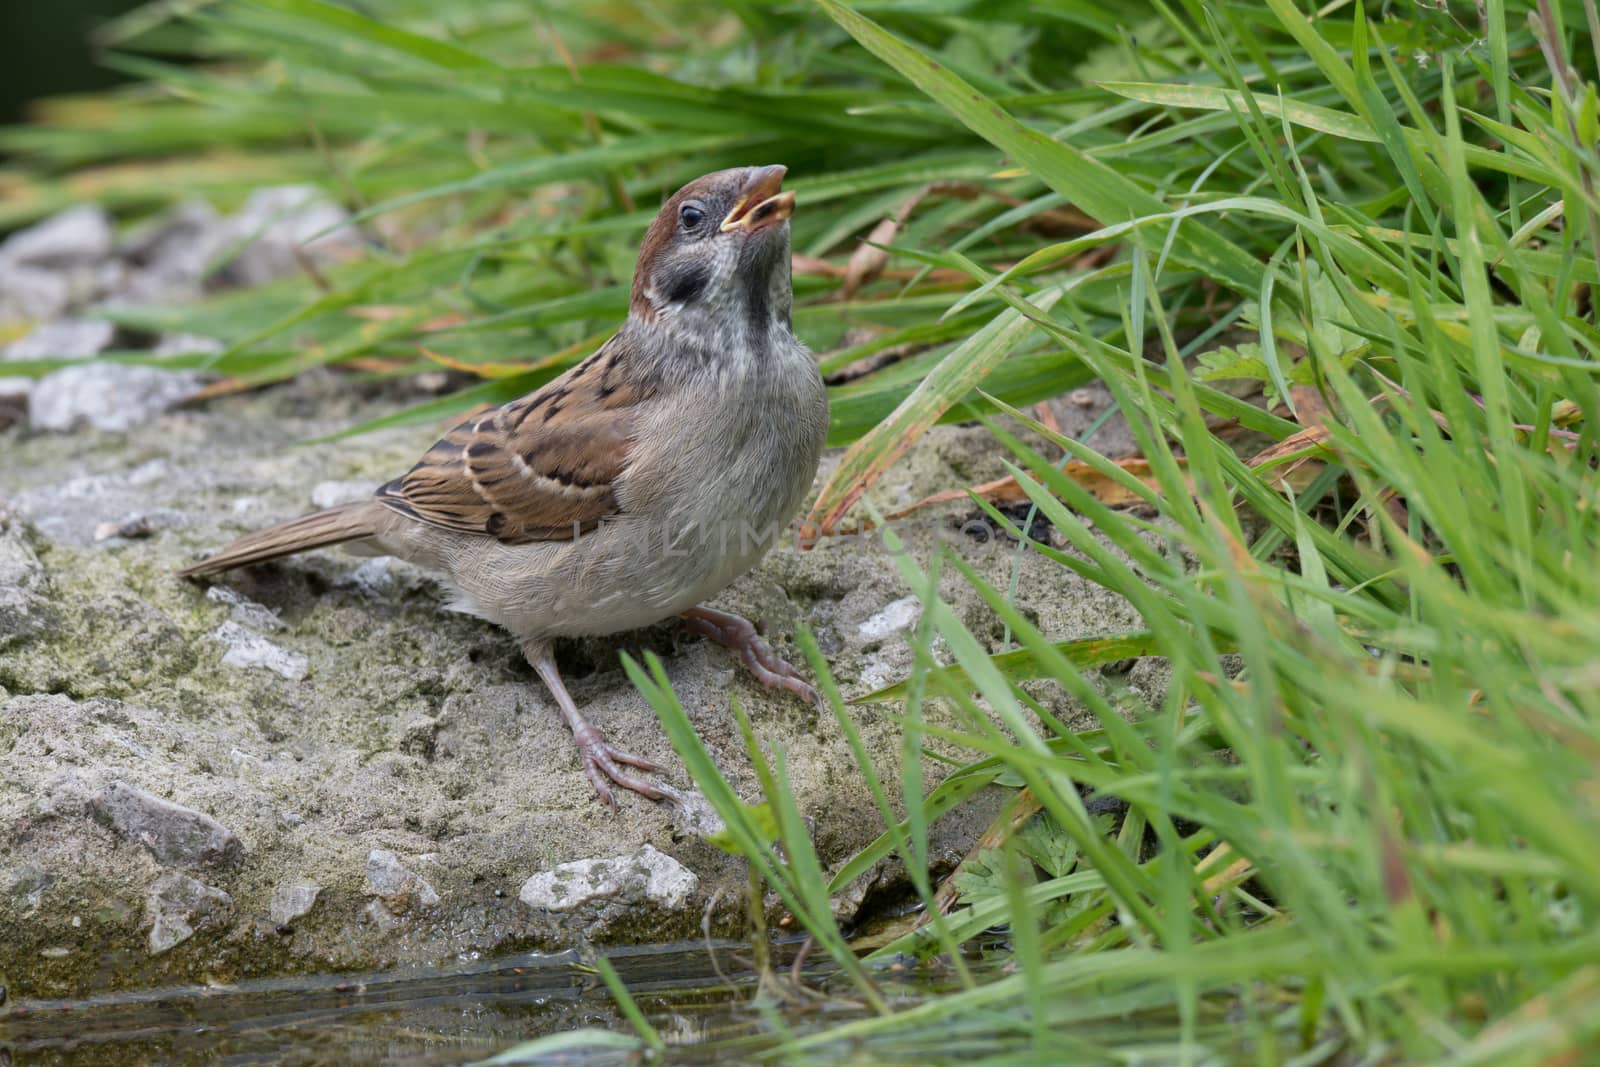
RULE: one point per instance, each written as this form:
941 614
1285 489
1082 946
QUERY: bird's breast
715 473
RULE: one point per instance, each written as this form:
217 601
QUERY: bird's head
719 250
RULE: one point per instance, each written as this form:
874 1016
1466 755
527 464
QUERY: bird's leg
600 760
738 634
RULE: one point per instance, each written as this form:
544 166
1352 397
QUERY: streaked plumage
637 484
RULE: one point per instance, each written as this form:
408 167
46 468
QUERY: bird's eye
691 216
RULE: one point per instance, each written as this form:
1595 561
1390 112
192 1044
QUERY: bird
636 485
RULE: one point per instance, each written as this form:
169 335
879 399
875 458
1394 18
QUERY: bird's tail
348 522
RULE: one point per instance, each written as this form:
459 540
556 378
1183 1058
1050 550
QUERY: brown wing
539 468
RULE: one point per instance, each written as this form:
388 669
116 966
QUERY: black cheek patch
683 282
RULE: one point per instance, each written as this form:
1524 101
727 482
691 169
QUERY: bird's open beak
761 205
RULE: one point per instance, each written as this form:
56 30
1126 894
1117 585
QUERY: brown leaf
1298 472
379 312
815 266
1007 491
1311 410
868 260
1046 414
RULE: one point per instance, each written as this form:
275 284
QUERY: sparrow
636 485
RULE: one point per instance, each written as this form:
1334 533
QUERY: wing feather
542 467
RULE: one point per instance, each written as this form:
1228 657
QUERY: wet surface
414 1017
703 1000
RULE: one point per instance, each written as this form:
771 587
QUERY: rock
79 236
169 257
244 611
187 344
648 876
24 605
399 889
175 835
275 222
178 907
693 816
73 511
29 884
898 615
134 527
246 649
107 396
28 294
384 577
331 494
63 339
290 902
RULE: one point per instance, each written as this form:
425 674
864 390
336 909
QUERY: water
694 996
700 998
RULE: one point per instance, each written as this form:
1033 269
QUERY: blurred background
46 49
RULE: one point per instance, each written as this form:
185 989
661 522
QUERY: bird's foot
604 766
738 634
601 763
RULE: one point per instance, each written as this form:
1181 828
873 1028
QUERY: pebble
63 339
244 611
897 615
24 589
174 835
276 225
247 649
397 887
169 258
28 294
107 396
76 237
290 902
649 875
178 906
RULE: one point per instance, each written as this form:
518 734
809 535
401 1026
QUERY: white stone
331 494
877 672
75 237
179 905
29 294
168 258
649 875
399 888
277 221
107 396
898 615
187 344
247 649
14 393
244 611
63 339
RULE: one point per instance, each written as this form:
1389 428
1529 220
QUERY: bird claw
602 763
773 671
739 635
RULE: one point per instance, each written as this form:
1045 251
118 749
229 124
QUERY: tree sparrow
637 484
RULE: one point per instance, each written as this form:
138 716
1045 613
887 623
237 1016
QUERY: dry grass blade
945 386
1006 491
1018 810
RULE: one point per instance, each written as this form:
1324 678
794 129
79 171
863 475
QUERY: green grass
1363 825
